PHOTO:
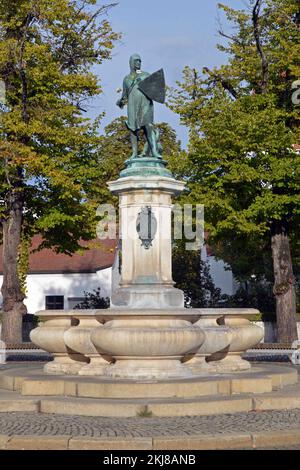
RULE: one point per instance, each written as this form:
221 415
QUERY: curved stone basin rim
200 312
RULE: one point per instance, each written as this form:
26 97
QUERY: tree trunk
13 306
284 284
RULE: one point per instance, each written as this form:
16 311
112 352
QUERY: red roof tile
100 256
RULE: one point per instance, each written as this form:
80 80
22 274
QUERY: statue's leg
146 150
134 143
151 139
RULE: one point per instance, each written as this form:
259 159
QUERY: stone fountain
146 334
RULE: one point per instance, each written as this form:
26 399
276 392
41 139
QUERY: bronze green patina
140 112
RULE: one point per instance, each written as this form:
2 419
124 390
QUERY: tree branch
225 83
28 20
232 38
101 11
263 57
195 78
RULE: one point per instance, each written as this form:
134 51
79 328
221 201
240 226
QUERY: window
54 302
73 301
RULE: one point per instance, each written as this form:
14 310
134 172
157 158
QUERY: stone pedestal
146 276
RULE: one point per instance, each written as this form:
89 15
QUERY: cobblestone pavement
44 424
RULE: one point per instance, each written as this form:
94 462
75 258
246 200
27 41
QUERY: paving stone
110 444
285 438
36 424
203 443
35 443
3 441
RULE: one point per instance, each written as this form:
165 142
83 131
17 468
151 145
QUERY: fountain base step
99 396
27 388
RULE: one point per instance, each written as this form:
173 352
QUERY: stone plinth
146 276
146 166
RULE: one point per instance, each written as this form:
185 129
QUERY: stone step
129 408
203 406
261 379
162 408
286 400
14 402
188 389
262 388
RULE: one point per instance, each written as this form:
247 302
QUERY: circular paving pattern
51 425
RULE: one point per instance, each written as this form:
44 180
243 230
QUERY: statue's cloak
140 108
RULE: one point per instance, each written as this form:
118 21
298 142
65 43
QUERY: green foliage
192 276
47 144
93 300
243 125
254 294
247 256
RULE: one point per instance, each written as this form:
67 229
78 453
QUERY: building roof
101 255
297 147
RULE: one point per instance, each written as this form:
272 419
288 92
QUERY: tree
257 294
48 160
93 300
247 257
243 125
192 276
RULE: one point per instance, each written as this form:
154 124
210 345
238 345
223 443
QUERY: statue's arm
122 101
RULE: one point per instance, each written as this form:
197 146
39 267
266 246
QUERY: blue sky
166 33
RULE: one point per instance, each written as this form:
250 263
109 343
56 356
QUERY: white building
58 281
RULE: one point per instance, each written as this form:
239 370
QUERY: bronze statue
140 89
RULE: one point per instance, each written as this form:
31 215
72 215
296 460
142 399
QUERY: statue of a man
139 108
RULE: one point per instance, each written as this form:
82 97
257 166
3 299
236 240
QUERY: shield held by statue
154 86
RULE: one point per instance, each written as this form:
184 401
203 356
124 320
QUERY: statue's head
135 62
